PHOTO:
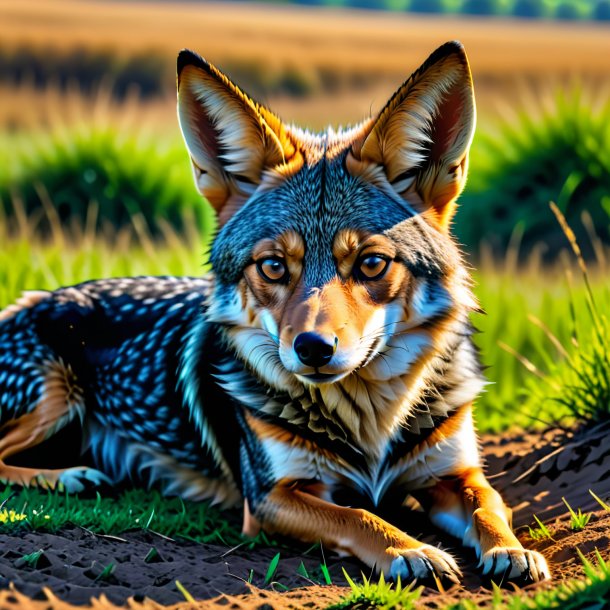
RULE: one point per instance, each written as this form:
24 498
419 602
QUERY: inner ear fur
420 140
232 140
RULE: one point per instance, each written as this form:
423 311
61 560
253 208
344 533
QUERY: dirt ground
533 471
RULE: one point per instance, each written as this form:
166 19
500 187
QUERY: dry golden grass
356 40
506 56
28 109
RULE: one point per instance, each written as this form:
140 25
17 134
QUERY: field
363 54
95 182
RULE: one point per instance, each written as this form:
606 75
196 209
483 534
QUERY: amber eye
272 269
372 267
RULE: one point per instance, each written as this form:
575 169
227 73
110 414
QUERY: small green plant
107 573
302 571
541 532
31 559
272 568
579 519
603 504
325 573
187 596
152 556
381 594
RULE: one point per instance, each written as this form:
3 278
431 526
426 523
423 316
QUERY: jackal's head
334 264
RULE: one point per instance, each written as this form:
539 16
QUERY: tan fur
471 494
266 430
29 298
62 401
290 511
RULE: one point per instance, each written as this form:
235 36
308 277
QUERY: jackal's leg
60 401
468 507
299 514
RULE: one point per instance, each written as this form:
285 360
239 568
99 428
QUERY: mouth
315 378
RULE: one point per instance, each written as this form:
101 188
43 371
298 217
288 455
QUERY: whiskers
380 344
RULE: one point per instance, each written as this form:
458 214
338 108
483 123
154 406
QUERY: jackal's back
108 352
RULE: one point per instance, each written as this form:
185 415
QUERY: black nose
313 350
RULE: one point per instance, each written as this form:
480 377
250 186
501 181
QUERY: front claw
75 480
515 564
425 563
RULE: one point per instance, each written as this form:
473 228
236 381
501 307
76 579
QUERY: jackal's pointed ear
421 138
232 140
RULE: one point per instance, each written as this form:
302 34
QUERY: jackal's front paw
514 563
75 480
424 563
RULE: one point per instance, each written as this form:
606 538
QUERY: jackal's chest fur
407 462
334 437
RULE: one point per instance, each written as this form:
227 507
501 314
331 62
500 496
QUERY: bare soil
532 470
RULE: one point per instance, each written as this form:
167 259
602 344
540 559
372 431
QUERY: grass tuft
56 178
578 520
579 380
541 532
556 147
381 594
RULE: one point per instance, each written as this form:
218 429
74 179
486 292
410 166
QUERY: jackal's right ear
232 140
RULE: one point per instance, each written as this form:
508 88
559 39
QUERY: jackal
328 350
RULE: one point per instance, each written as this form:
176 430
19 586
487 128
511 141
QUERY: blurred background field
94 179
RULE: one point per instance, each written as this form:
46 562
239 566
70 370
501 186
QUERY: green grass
578 519
59 177
28 263
515 299
589 593
577 381
554 147
30 559
541 532
381 594
134 509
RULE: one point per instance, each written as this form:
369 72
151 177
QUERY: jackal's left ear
232 140
422 137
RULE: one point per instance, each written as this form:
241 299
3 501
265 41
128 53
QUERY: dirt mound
533 471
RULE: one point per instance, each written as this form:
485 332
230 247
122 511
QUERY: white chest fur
419 468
